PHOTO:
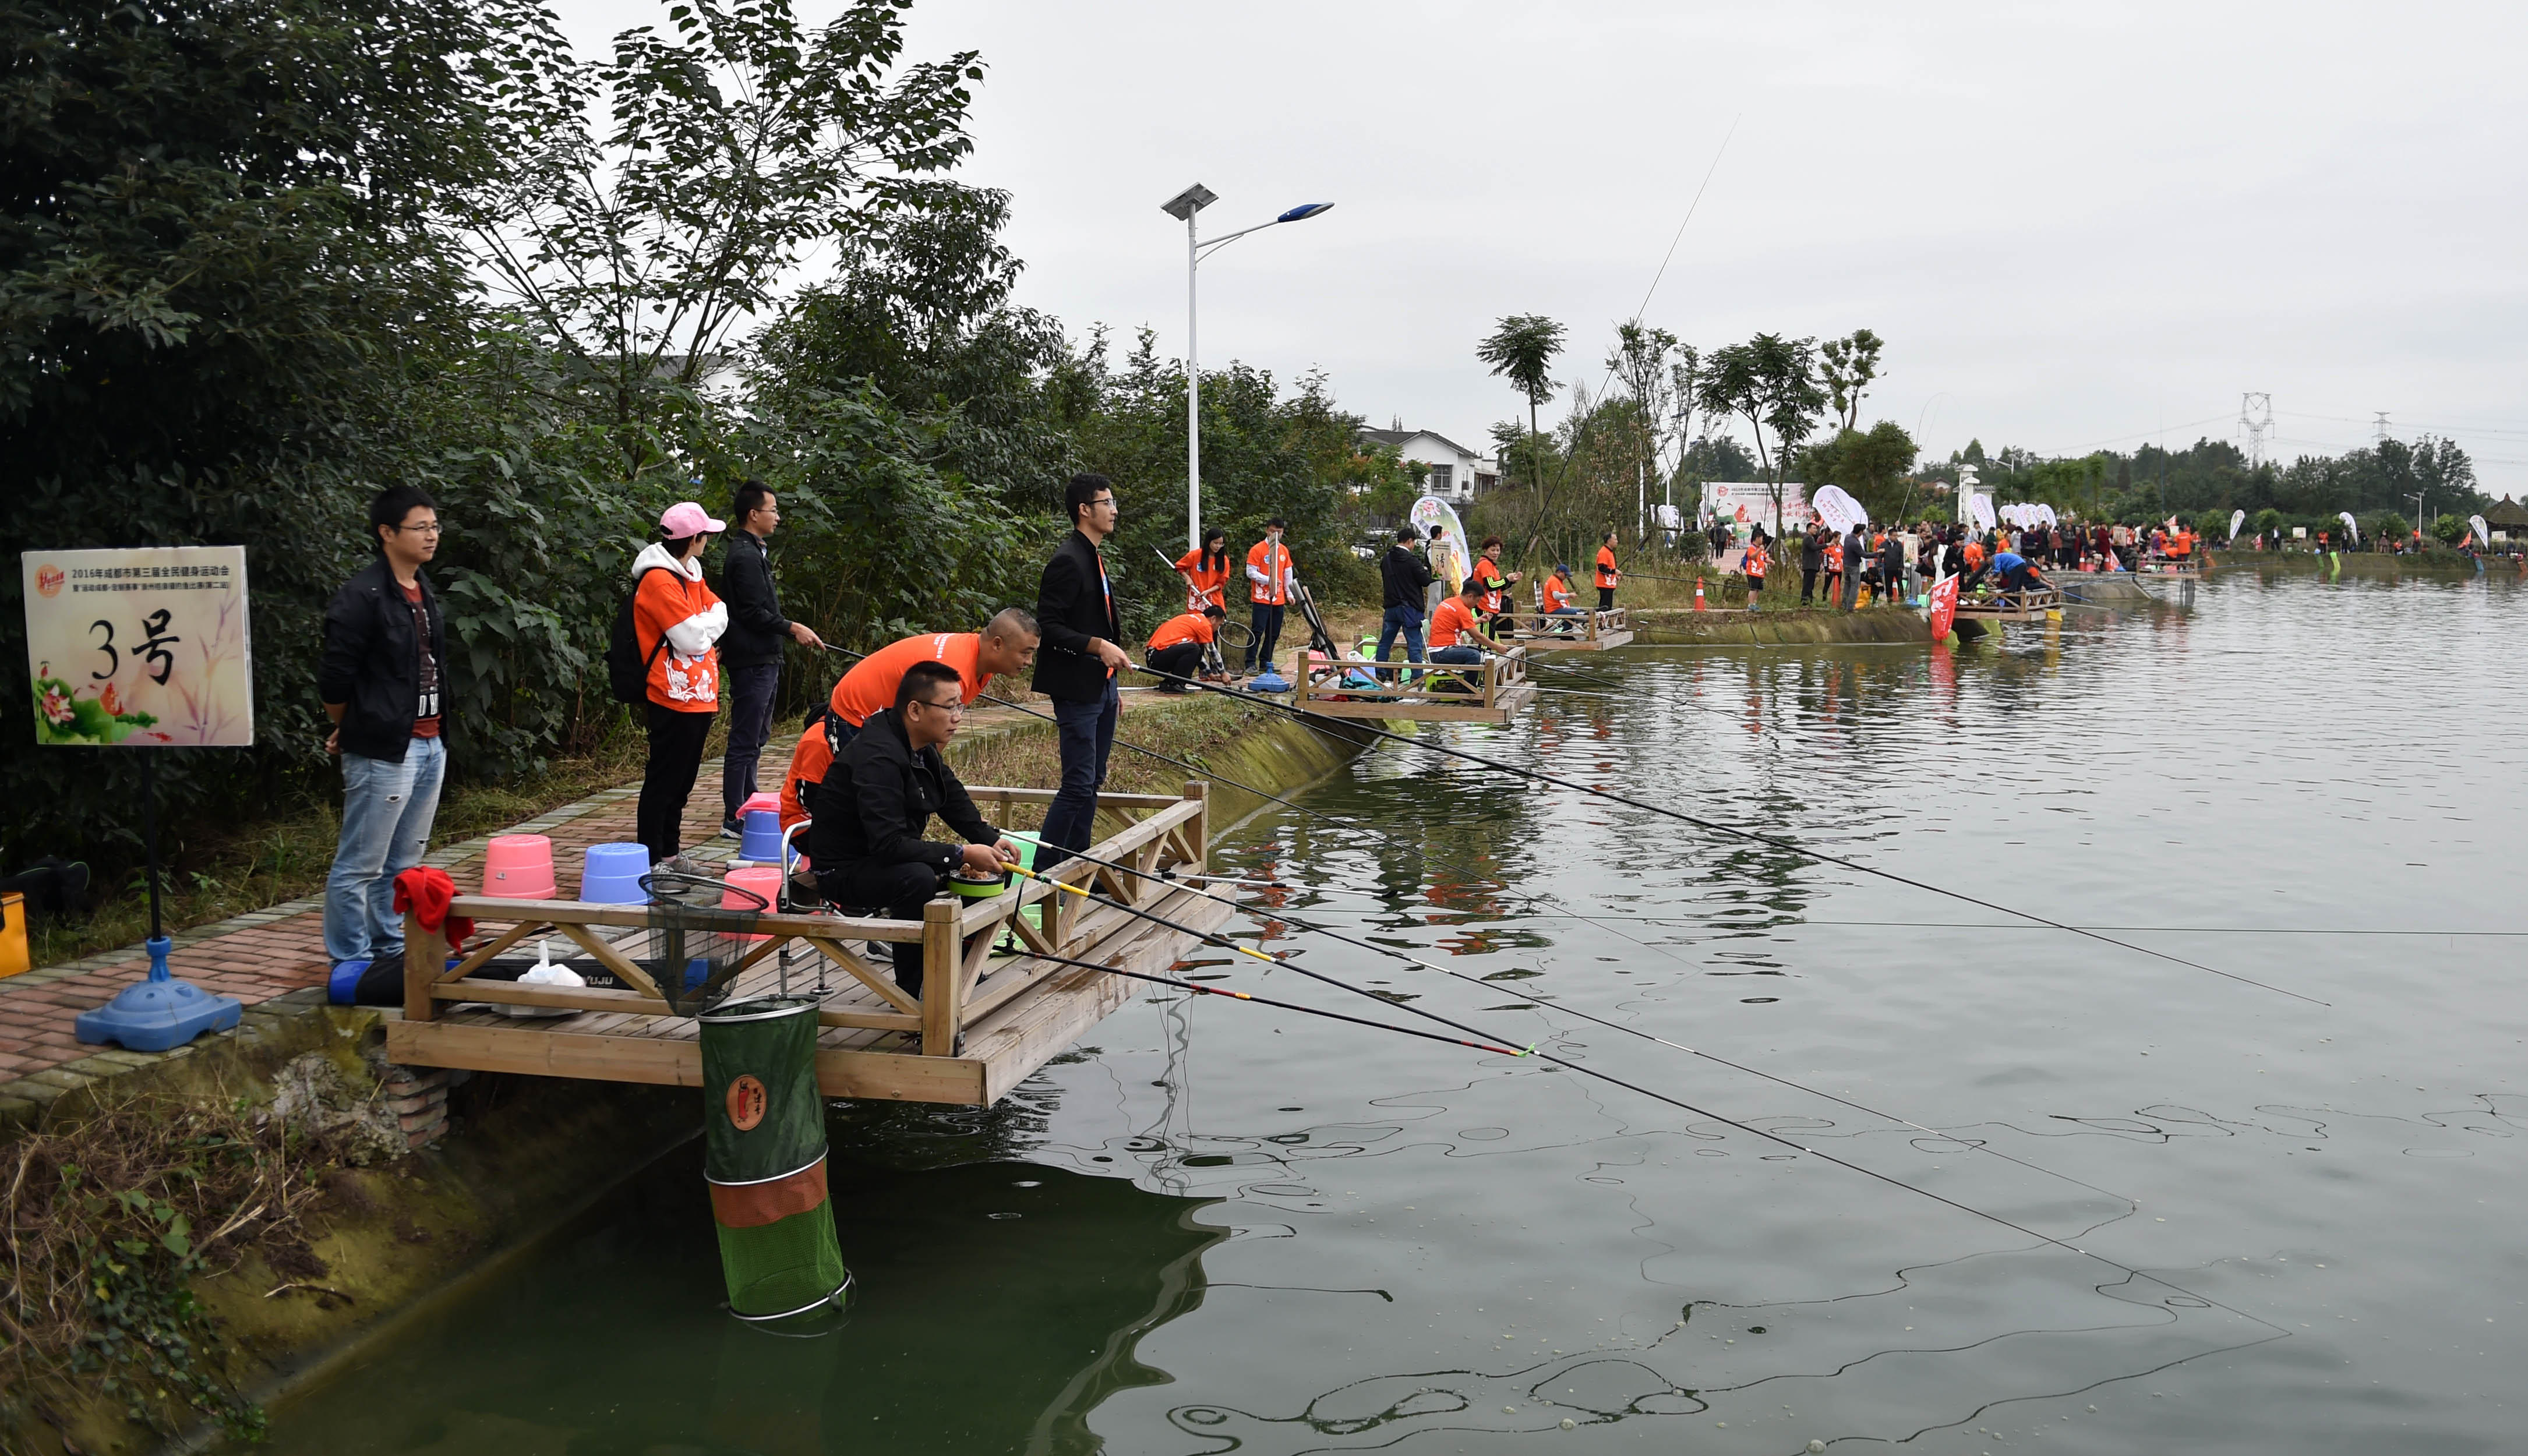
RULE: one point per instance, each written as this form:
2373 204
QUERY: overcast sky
2077 227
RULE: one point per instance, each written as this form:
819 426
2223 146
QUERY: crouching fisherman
878 798
1176 649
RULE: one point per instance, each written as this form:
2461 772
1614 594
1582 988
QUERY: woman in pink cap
677 622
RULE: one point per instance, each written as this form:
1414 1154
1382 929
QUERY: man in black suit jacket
1082 627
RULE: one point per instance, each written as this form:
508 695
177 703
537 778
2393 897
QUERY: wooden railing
957 936
1491 688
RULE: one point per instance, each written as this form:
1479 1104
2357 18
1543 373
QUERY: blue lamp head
1304 211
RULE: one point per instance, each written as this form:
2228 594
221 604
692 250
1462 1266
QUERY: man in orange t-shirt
1608 575
1005 645
1176 649
1455 637
1268 591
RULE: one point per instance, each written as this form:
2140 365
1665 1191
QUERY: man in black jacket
1081 631
382 677
750 652
1407 580
1812 557
876 800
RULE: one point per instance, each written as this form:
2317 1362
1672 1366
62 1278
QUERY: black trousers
1605 599
1185 659
896 891
1807 585
750 725
675 761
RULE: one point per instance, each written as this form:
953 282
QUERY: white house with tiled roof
1456 473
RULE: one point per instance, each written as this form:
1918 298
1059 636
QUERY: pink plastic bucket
763 880
518 867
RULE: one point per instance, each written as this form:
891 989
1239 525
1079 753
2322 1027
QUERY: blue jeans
1407 621
1457 657
1087 736
750 722
386 810
1266 624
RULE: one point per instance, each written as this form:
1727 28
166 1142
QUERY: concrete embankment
1671 626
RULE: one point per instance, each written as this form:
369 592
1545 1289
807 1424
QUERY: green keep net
763 1140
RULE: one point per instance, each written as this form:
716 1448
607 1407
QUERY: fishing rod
1681 1104
1201 989
1755 836
1224 943
1395 954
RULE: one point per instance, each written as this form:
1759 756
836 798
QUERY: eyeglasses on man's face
425 528
953 707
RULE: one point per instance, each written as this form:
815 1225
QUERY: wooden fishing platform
1489 692
1591 632
2032 604
990 1013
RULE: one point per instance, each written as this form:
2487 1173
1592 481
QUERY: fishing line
1199 988
1408 958
1754 836
1680 1103
1224 943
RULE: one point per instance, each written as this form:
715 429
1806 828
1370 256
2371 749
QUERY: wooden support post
425 956
1198 831
943 987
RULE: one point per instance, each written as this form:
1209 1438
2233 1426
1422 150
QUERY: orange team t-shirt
1605 567
808 761
870 687
1452 623
1975 554
1209 586
1558 592
1274 561
666 597
1181 628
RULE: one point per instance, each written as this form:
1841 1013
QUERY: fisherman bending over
877 798
1176 648
1005 645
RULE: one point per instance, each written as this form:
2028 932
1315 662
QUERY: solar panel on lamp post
1183 207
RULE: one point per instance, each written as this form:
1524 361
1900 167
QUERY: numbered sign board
139 648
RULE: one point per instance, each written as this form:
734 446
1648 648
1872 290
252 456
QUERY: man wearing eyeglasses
381 679
878 798
1082 631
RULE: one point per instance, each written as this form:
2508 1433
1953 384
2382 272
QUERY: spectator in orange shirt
1267 587
1206 572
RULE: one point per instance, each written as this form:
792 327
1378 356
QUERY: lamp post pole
1184 206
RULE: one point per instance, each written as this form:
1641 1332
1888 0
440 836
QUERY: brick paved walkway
270 952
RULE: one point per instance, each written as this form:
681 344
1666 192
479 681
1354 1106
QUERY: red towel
426 893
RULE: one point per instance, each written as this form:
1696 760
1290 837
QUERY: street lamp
1183 207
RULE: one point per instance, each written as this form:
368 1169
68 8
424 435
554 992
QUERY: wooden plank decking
2028 605
1495 690
992 1009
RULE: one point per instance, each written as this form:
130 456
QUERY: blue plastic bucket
611 874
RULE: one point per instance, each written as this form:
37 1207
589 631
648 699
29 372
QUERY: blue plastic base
341 986
1269 681
159 1013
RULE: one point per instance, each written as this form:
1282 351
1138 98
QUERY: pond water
2296 1173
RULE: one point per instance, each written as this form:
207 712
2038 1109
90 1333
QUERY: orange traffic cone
1697 594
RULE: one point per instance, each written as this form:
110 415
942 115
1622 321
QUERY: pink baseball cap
686 518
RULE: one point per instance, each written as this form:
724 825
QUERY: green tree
1849 365
1523 349
1874 465
1771 383
734 145
221 263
